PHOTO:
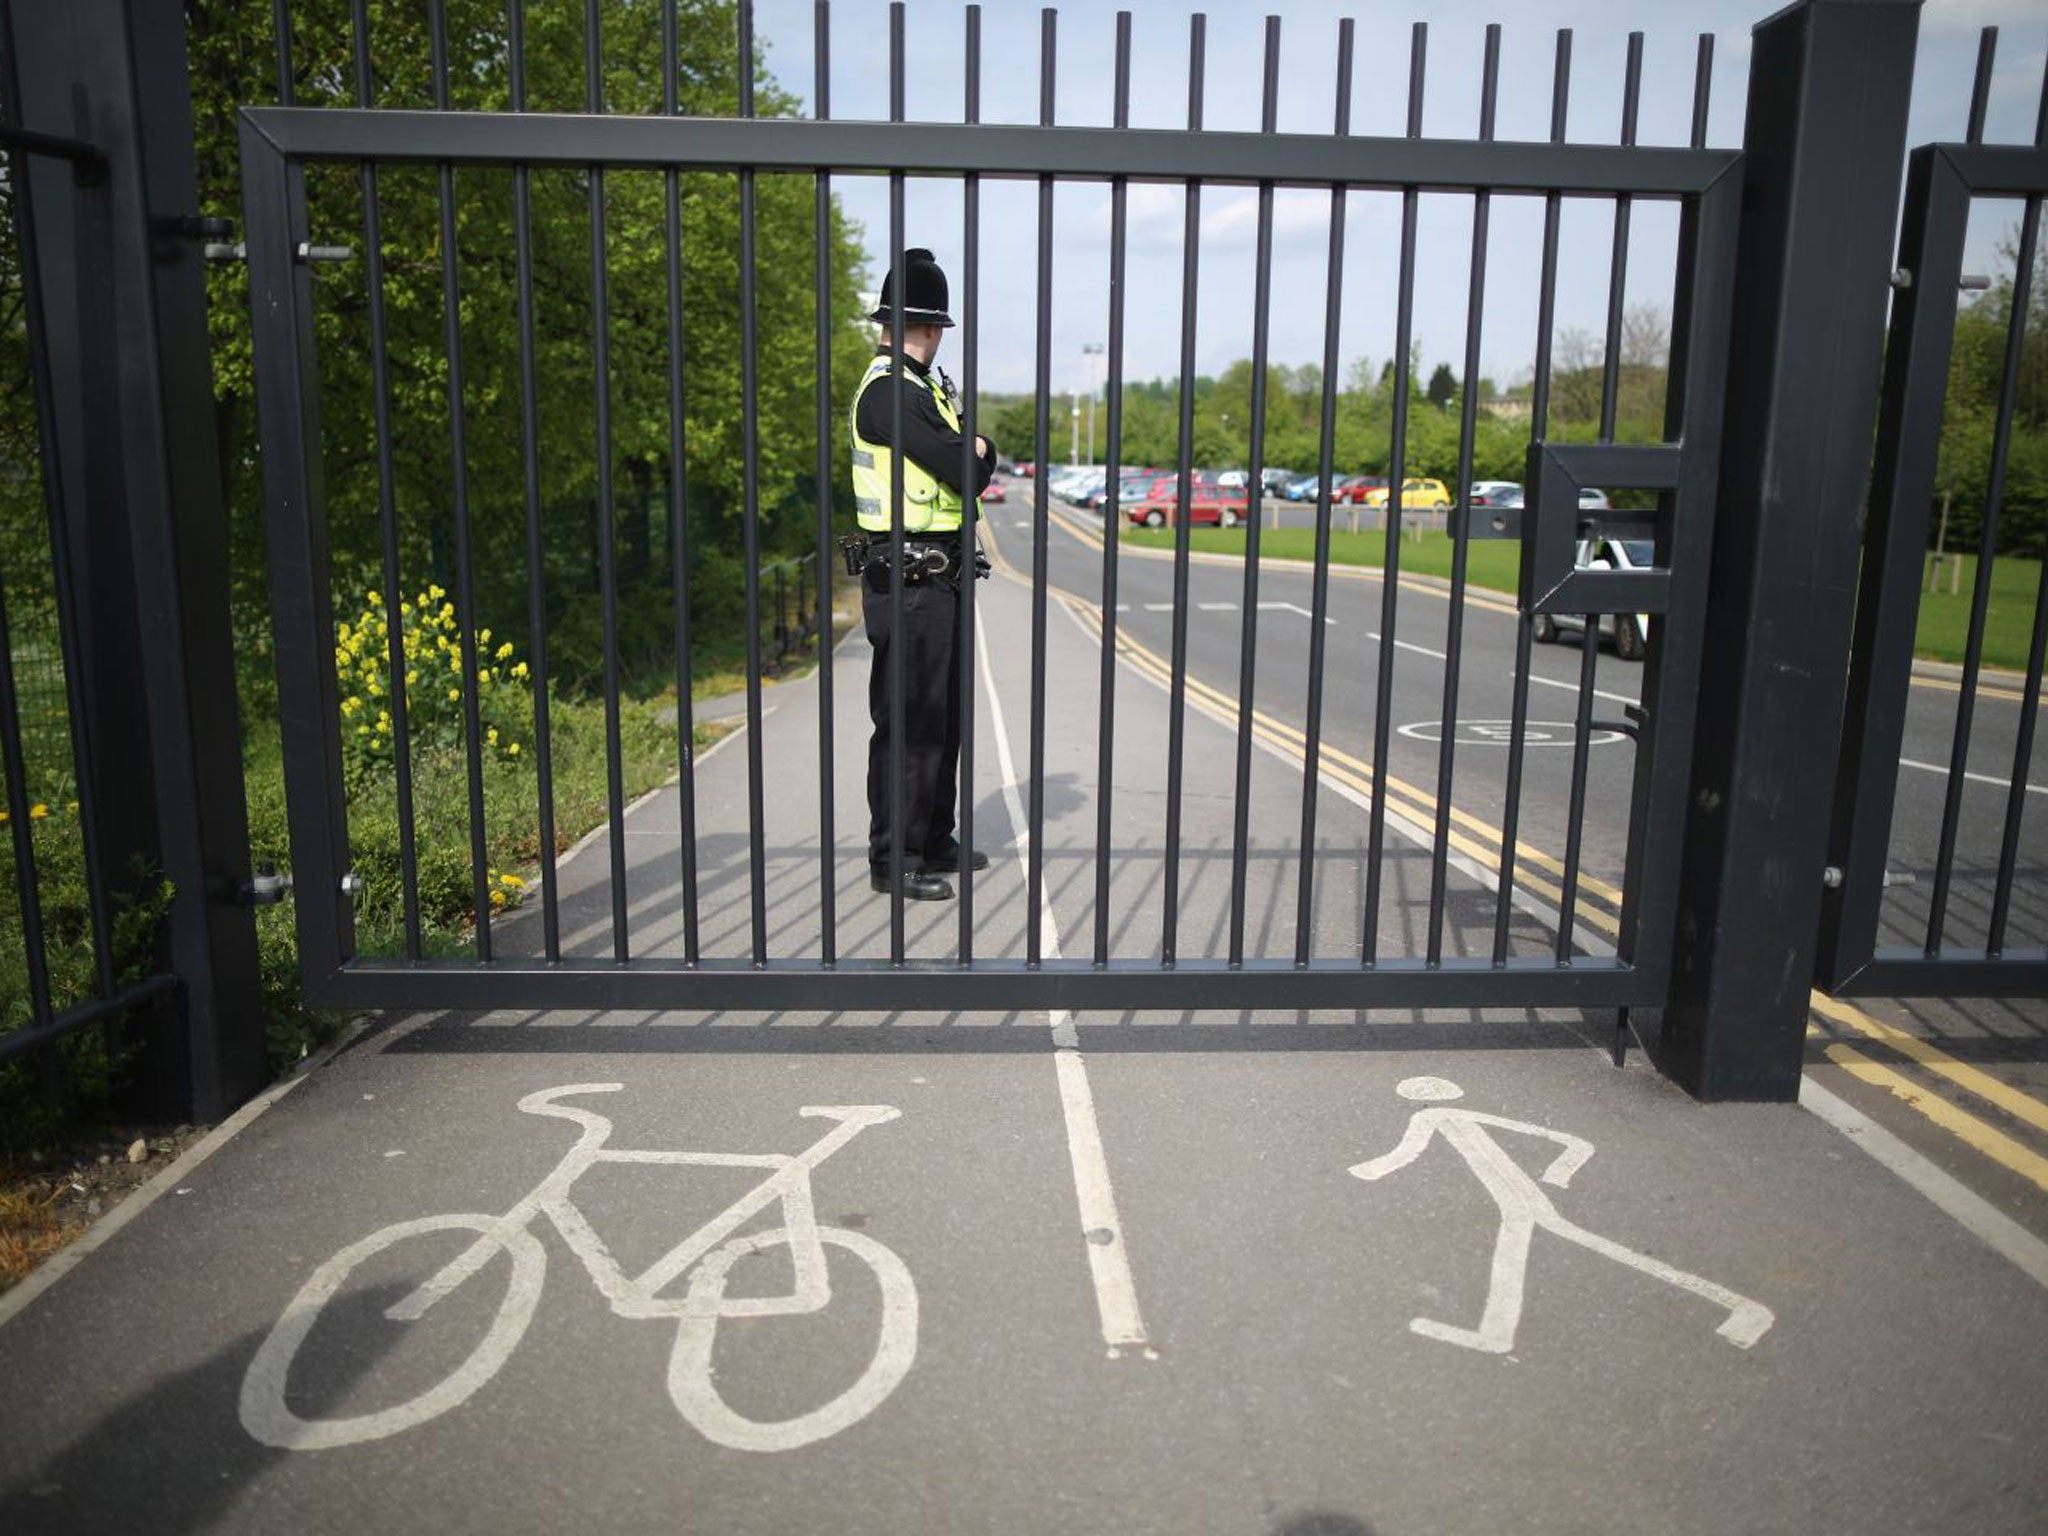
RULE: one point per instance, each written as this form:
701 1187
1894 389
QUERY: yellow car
1414 493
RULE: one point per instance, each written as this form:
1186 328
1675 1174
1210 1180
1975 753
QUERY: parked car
1234 479
1070 483
1414 493
994 491
1153 502
1495 493
1076 489
1631 631
1353 489
1307 488
1275 480
1027 469
1592 500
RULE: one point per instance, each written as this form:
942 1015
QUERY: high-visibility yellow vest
928 505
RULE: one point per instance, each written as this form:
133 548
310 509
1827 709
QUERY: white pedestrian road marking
1501 733
1102 1233
1523 1210
712 1249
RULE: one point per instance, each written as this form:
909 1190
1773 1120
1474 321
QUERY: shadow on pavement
176 1458
631 1034
1322 1522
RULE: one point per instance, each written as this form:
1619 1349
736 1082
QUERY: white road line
1102 1234
1960 1203
1159 607
1217 607
1297 608
1975 778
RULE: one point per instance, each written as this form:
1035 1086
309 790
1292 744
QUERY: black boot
949 863
918 885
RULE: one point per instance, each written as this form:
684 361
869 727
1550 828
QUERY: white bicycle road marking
712 1249
1501 733
1523 1209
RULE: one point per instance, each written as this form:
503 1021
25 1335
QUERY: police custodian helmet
924 292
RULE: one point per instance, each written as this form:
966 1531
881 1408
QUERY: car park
1631 631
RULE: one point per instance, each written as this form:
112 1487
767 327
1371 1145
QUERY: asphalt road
1484 705
1309 1275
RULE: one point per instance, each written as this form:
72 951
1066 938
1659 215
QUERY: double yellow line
1600 906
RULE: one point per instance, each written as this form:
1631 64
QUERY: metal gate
278 143
1854 958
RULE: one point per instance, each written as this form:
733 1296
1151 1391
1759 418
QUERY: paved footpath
1236 1274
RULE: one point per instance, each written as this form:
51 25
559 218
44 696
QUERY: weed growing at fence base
647 736
88 1062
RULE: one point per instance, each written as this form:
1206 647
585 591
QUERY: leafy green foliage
1969 425
232 63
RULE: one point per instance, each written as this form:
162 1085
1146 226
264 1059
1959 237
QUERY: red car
1153 502
994 491
1352 488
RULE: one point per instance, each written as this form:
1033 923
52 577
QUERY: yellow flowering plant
430 643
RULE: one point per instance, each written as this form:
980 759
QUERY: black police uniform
930 629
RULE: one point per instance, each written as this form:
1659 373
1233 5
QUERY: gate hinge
266 888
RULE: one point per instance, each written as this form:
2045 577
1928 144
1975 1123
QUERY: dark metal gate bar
1942 181
98 143
278 142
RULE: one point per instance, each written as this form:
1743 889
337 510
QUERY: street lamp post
1091 349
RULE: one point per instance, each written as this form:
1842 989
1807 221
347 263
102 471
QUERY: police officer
935 565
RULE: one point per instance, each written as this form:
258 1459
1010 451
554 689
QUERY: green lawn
2008 621
1944 619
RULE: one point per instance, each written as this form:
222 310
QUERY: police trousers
929 642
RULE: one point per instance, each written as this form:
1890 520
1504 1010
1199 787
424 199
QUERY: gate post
125 291
1823 152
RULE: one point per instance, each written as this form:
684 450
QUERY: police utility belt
923 560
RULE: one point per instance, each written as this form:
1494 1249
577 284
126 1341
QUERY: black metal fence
1947 955
278 146
67 896
1788 222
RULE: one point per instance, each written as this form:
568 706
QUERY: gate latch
266 888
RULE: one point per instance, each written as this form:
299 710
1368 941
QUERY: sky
1234 74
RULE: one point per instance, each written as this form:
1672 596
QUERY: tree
1977 376
232 62
1443 386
